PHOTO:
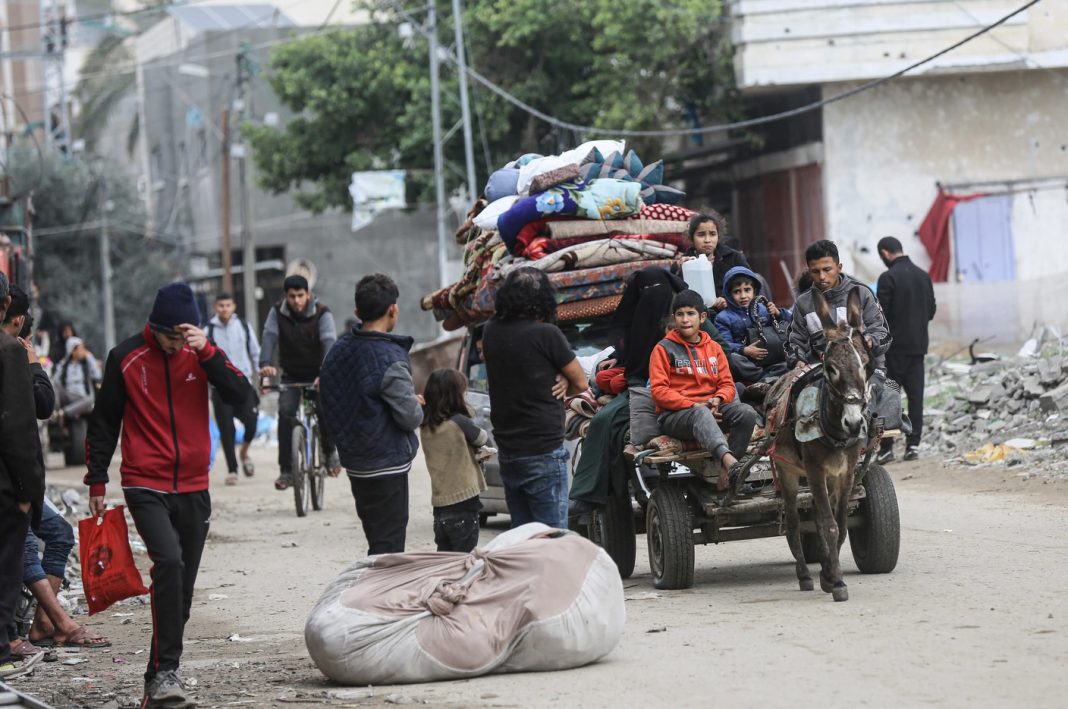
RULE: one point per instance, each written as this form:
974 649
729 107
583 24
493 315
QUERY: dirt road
974 615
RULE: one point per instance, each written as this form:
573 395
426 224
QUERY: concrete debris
1011 411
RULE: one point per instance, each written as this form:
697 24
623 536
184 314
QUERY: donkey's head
847 362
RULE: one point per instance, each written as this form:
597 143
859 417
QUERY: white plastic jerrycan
697 273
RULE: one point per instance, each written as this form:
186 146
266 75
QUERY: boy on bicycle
303 328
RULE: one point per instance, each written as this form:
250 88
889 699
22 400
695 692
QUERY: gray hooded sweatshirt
805 337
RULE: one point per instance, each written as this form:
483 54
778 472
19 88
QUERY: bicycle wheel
301 480
317 473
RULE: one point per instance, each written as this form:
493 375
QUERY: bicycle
308 468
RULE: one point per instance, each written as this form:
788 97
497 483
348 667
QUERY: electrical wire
622 132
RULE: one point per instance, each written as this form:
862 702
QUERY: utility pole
227 248
54 44
105 268
465 106
248 246
439 159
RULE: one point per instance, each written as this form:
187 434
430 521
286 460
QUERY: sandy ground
974 615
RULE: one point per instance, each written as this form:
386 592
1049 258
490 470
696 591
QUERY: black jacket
907 296
20 478
44 396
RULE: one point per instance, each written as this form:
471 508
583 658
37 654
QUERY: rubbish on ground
75 661
217 597
661 629
236 638
361 693
643 596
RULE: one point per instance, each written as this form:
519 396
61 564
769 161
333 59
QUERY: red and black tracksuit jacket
160 403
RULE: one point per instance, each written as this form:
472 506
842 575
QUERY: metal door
983 248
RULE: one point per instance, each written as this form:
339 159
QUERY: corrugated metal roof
221 18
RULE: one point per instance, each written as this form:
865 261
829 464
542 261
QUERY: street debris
1010 411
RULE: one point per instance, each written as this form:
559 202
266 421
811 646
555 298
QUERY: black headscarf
646 300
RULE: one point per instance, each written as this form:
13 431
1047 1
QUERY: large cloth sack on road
533 599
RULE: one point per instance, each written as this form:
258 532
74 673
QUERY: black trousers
174 528
382 506
908 371
456 529
289 403
14 523
246 413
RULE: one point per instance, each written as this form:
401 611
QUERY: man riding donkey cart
819 426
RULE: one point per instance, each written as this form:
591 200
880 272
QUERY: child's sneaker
885 456
912 453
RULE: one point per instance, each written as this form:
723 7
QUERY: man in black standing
906 295
21 480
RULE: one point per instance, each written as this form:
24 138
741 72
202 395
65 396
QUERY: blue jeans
58 538
535 487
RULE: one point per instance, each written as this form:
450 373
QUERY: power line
622 132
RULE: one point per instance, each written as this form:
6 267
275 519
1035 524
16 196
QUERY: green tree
68 201
361 96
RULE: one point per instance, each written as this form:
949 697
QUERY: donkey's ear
854 311
823 311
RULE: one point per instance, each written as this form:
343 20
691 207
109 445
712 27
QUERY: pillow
643 426
502 183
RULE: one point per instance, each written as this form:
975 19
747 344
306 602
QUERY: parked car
587 337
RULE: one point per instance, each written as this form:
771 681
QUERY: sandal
231 478
25 650
248 468
81 638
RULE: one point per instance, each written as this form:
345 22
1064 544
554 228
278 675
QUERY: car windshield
586 337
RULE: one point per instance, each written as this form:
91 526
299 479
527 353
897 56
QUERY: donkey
829 462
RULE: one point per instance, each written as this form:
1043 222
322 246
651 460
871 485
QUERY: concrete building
986 118
187 70
21 75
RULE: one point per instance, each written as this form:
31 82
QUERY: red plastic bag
108 570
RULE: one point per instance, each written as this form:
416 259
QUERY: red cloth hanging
934 232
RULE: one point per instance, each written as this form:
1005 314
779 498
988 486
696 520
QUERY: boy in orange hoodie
691 384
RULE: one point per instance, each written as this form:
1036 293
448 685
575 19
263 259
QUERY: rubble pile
1011 411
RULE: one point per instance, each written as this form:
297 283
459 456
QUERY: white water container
697 272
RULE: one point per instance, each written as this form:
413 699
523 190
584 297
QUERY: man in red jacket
690 381
155 390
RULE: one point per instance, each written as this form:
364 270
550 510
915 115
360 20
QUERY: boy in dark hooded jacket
750 362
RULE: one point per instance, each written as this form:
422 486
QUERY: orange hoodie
682 374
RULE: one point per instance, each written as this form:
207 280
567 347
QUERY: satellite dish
303 267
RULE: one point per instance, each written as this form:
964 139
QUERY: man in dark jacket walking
155 391
304 331
907 295
371 409
21 480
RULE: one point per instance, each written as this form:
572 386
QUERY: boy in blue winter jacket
372 411
750 361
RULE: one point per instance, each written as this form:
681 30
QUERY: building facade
982 122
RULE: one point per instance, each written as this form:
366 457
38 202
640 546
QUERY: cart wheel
670 538
301 477
810 546
74 452
614 527
876 542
